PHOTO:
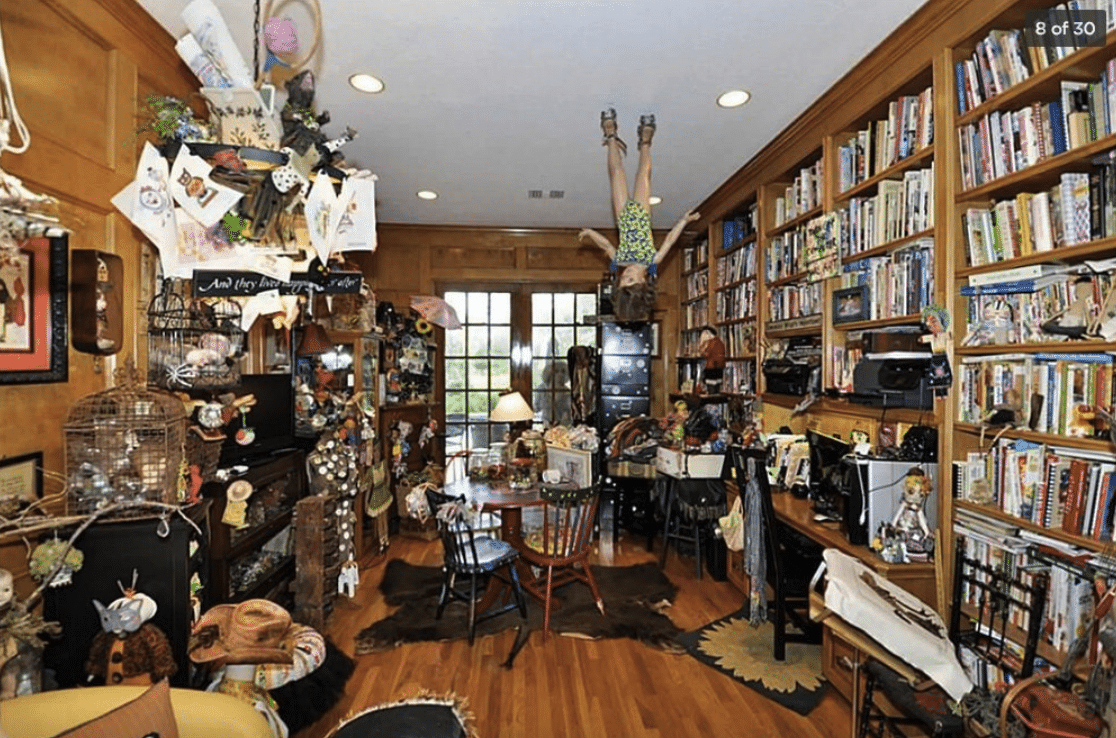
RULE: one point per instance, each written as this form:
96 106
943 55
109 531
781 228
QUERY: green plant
170 119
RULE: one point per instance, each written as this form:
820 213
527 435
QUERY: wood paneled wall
79 68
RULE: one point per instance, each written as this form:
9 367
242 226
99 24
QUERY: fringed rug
423 716
733 647
634 598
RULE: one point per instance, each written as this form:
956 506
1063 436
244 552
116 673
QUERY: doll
936 319
909 522
635 261
712 349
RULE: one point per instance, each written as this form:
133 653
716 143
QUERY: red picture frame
33 346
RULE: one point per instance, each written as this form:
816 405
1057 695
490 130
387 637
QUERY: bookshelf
737 297
981 196
695 302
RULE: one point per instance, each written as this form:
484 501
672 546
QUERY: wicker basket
124 445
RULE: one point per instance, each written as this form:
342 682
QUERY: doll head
935 318
916 487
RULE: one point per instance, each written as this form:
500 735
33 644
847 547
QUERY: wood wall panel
75 75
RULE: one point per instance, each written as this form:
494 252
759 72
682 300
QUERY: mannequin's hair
633 303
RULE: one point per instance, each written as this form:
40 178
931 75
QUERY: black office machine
893 382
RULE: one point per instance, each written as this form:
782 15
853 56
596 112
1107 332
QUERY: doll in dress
936 319
635 260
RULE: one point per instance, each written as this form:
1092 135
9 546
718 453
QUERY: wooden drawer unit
838 658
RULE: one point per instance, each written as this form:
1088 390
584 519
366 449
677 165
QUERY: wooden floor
569 687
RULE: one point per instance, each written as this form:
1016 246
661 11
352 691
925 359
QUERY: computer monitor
826 472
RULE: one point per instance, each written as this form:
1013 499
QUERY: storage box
682 465
615 408
619 339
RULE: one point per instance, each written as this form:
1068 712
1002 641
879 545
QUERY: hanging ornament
280 37
245 435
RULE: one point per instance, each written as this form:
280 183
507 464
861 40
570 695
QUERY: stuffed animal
129 650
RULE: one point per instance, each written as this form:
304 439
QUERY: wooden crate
317 561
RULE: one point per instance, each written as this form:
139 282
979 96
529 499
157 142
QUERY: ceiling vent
557 194
534 194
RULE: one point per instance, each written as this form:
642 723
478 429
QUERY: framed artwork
21 480
851 304
575 465
33 288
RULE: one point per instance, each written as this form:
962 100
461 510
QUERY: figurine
129 650
712 349
635 261
936 319
911 528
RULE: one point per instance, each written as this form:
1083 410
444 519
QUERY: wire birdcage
124 444
192 343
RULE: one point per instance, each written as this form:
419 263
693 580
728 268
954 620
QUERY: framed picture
21 480
575 465
851 304
33 287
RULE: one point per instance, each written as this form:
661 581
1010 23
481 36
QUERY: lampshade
314 341
511 408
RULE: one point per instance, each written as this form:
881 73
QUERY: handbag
732 526
1050 712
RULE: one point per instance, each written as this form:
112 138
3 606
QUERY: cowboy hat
250 632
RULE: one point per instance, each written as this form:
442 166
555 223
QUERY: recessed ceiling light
427 195
654 199
367 83
733 98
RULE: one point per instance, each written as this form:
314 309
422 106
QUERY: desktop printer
899 379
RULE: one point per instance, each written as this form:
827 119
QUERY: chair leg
472 607
697 547
866 707
593 587
546 603
448 581
666 525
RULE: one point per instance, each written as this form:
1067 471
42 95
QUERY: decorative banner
356 230
201 197
323 212
221 283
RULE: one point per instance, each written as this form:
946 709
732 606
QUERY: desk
842 651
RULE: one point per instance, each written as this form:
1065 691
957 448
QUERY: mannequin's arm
602 242
673 235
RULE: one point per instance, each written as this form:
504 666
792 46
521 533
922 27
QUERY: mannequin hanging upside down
635 262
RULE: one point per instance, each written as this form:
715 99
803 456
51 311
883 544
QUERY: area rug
736 649
423 716
634 597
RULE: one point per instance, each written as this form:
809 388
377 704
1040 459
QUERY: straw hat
251 632
240 490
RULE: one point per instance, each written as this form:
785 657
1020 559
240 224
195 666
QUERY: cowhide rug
634 597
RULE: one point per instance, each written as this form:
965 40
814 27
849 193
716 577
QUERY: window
515 337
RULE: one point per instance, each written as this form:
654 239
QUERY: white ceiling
488 99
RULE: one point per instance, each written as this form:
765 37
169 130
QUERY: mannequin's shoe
646 130
608 127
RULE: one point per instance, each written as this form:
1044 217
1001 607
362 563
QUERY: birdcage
192 343
124 445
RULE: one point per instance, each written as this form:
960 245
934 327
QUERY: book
1075 496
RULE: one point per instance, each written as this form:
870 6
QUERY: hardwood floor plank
569 687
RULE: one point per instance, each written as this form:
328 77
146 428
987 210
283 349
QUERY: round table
499 497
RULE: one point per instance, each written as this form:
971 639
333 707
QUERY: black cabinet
257 560
113 550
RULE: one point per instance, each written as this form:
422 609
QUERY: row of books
1004 142
737 302
1050 487
697 283
1080 208
738 228
689 340
843 360
1054 393
1000 547
695 314
803 195
1032 310
1007 57
695 255
785 255
740 339
740 377
900 208
900 283
794 301
736 265
908 127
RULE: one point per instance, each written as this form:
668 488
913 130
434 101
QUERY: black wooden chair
988 603
474 556
792 559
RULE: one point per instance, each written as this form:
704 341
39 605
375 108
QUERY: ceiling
486 100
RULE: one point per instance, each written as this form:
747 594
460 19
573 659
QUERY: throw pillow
147 716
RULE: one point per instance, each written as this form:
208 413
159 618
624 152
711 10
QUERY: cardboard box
682 465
